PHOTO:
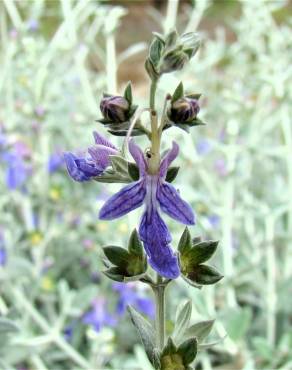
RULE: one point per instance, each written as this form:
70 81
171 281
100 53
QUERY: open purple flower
93 163
156 193
128 295
98 316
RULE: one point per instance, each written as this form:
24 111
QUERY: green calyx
127 263
193 254
178 358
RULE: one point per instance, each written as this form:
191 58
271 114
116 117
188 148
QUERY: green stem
159 293
152 94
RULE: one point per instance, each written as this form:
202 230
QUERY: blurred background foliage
57 57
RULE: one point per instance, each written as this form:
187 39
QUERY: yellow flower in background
36 237
123 227
55 193
102 226
47 284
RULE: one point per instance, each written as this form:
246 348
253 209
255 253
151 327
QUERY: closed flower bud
174 60
115 108
184 110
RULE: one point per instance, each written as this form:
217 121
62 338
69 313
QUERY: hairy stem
152 94
159 293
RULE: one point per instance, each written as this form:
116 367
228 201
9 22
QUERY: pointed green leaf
169 349
188 350
191 283
200 330
204 275
135 246
133 171
117 255
155 51
128 93
178 92
202 252
171 174
114 273
194 96
145 330
182 321
171 38
185 243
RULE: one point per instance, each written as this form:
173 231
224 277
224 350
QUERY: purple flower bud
115 108
184 110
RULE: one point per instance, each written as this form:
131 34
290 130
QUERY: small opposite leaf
185 243
145 331
116 255
171 174
128 93
182 321
200 330
178 93
188 350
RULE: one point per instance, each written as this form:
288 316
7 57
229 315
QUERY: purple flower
203 147
17 170
98 316
94 163
130 296
3 256
156 194
56 161
214 220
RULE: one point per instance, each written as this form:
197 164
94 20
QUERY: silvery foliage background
243 180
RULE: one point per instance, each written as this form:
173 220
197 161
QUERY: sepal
192 255
129 264
178 358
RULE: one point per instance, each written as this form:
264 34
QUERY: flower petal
138 156
73 169
168 158
156 238
100 140
100 155
172 204
127 199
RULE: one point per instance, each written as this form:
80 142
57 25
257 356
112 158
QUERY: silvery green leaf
120 165
155 51
200 330
171 39
204 346
145 330
183 317
7 326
